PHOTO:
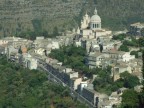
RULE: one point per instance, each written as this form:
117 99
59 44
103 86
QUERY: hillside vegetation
18 16
22 88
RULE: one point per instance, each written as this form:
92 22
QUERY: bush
124 48
119 37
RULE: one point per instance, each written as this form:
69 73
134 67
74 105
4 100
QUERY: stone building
28 61
91 27
94 97
136 29
94 59
91 33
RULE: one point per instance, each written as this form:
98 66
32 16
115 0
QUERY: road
73 93
44 66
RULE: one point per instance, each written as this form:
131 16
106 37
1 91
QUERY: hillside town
102 50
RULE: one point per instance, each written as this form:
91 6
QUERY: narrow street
73 93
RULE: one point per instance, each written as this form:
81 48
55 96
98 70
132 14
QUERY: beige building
29 62
39 51
120 68
3 42
71 78
120 55
94 59
91 27
76 82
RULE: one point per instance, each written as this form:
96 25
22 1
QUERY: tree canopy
105 83
130 99
24 88
134 53
124 48
71 56
129 80
133 43
141 42
120 37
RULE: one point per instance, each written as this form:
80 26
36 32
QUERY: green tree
37 25
141 94
71 56
134 53
130 81
130 43
45 34
55 31
24 88
141 42
130 99
119 37
124 48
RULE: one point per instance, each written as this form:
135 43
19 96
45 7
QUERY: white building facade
91 27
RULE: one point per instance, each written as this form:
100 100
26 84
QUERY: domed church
91 27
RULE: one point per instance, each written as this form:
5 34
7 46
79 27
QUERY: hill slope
21 15
22 88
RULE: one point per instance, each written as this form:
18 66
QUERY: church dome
95 17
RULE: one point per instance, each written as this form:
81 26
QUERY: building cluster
16 49
44 46
137 29
83 85
101 50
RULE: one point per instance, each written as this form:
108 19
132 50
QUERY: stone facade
136 29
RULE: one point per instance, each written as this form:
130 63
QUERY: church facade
91 27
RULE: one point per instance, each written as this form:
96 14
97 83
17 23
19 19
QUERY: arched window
93 25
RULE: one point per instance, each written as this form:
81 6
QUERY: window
97 25
93 25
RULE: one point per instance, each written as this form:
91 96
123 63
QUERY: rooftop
116 52
138 24
95 54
